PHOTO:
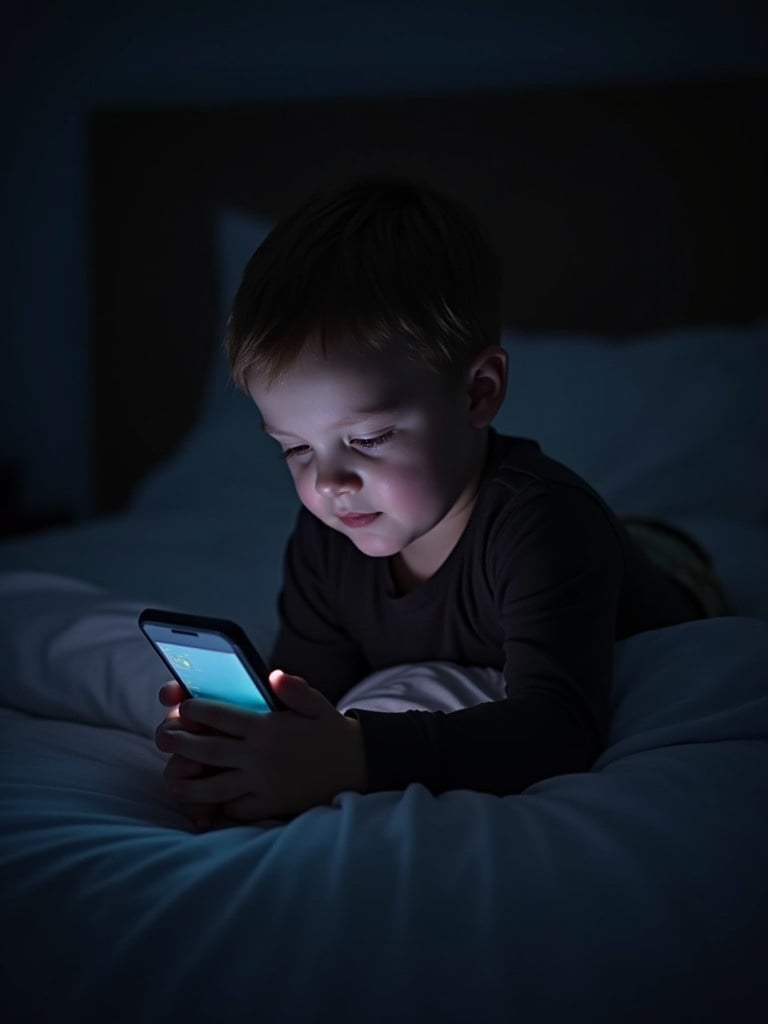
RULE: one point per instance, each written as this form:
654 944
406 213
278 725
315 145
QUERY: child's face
379 449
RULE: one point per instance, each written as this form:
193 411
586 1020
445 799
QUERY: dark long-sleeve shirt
543 581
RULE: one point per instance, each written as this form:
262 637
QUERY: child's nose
332 481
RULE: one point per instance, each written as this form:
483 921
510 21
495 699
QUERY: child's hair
373 258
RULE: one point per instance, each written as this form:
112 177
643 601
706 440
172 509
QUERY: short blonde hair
375 258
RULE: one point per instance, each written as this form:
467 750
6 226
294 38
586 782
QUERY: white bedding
635 892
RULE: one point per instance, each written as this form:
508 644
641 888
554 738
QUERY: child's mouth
359 519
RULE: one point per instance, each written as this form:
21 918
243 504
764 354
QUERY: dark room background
60 62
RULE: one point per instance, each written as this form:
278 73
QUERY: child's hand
177 767
269 765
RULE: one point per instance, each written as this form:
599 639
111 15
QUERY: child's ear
486 385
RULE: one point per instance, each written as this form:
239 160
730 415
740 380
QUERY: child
366 330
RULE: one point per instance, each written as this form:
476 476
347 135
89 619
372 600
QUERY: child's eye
299 449
360 442
373 442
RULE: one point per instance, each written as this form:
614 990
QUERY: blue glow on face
214 675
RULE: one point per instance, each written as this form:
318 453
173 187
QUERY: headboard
616 210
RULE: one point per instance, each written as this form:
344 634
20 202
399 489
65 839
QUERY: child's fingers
173 720
179 767
171 693
200 814
168 724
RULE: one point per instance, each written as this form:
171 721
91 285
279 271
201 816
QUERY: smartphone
211 658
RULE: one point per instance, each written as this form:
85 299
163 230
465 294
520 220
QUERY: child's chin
375 547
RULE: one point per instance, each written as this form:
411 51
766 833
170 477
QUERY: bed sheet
636 891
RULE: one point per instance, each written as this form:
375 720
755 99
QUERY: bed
632 223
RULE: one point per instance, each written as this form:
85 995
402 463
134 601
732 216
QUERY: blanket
636 891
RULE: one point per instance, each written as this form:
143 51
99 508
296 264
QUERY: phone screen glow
215 675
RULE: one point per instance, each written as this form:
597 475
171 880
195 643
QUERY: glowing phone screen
215 675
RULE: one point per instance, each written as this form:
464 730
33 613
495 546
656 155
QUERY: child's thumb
297 694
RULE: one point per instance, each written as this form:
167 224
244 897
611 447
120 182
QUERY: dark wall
58 62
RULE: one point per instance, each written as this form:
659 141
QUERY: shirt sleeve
555 567
310 643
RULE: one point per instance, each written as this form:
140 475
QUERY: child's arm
555 567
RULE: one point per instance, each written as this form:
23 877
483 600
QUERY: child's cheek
411 493
307 492
304 486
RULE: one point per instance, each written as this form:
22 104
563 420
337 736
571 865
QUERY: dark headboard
615 210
